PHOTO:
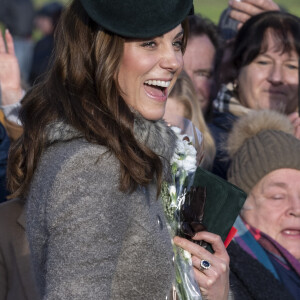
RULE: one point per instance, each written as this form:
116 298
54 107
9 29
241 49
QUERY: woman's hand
213 282
242 10
10 78
295 120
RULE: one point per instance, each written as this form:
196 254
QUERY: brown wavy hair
80 89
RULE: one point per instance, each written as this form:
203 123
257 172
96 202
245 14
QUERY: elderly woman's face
148 70
270 80
273 206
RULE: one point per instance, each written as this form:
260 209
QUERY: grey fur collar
61 132
156 135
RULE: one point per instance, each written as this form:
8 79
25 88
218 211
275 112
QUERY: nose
276 74
171 59
295 206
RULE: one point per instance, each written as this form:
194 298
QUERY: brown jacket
16 278
13 130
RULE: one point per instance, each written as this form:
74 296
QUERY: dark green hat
138 18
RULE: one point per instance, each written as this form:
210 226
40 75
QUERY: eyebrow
179 34
276 184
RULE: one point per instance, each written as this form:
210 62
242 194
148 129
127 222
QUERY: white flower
183 164
185 153
177 130
187 255
172 190
189 164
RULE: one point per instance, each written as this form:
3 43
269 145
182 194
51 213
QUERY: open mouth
157 88
291 232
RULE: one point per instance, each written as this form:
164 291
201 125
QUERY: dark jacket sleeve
4 146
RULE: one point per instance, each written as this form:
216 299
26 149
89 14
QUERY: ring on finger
204 265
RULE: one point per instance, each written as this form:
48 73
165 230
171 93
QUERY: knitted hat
260 143
138 18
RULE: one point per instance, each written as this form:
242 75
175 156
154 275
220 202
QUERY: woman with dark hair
262 73
94 153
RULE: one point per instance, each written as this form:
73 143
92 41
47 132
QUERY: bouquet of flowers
175 196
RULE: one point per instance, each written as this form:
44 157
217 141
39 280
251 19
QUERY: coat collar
155 135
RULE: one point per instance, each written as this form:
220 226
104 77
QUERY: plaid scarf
255 243
281 255
227 101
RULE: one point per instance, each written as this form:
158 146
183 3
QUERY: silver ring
204 264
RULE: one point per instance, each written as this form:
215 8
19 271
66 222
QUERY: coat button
159 222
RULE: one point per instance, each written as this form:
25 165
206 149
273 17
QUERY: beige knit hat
259 143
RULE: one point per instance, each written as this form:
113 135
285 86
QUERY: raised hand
242 10
10 78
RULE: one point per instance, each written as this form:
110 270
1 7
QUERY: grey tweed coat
88 240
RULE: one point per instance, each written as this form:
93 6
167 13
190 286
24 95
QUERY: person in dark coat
4 146
265 254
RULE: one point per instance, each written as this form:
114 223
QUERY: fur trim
159 137
156 135
253 123
60 131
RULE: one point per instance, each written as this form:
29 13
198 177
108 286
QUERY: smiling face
270 81
273 206
148 70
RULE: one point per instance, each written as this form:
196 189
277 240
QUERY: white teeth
158 83
292 232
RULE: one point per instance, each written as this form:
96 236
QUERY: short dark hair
251 38
199 26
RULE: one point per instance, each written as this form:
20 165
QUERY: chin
153 116
293 249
